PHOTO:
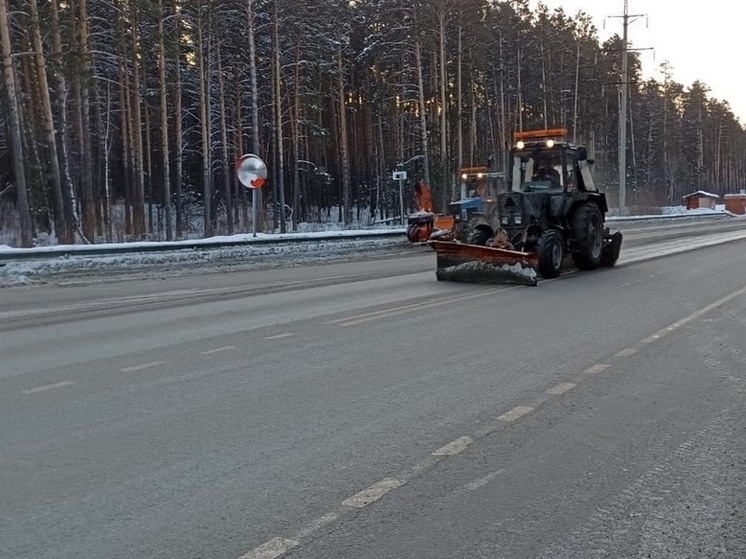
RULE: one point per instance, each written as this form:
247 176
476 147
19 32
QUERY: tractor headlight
504 220
520 144
550 143
518 220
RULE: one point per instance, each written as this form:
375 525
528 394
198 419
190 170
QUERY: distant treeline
123 118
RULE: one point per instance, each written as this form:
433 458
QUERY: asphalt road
363 409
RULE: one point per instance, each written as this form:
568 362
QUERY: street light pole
401 200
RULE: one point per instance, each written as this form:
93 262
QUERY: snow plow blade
466 263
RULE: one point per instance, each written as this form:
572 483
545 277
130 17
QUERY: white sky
701 41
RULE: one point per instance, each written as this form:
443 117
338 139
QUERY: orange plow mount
467 263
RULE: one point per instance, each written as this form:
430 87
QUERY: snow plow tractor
425 224
477 192
552 210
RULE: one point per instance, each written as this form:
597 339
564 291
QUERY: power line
623 87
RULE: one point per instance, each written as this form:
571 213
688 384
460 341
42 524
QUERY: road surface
363 409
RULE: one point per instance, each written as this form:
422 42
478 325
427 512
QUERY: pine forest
122 119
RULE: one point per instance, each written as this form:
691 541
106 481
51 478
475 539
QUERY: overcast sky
702 41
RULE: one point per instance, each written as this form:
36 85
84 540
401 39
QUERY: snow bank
252 256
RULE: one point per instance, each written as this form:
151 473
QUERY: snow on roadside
209 259
248 252
225 239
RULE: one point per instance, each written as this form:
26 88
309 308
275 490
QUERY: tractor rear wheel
551 253
588 232
479 237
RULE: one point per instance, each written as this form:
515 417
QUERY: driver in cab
546 172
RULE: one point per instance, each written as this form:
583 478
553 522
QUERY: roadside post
252 172
401 176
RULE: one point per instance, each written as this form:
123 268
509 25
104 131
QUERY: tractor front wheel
588 232
551 252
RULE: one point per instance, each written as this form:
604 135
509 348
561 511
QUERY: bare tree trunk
460 101
544 88
204 118
240 208
138 213
295 126
107 166
15 129
148 162
68 194
65 232
178 148
254 87
503 116
227 174
443 103
278 118
423 113
83 125
125 131
343 146
164 121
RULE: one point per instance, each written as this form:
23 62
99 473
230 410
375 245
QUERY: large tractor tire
551 252
588 232
479 237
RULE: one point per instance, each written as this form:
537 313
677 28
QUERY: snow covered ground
198 257
244 251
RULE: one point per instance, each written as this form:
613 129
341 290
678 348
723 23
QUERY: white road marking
482 481
141 366
271 550
279 336
372 493
516 413
597 368
403 309
48 387
561 388
650 339
276 547
696 314
316 525
218 349
381 312
454 447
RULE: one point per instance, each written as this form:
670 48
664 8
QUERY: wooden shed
701 199
736 203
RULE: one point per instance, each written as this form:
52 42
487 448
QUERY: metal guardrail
39 253
668 217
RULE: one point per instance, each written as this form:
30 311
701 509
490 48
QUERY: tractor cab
475 192
542 162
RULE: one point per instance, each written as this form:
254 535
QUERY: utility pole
626 18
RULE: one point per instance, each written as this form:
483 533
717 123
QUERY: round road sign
251 171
